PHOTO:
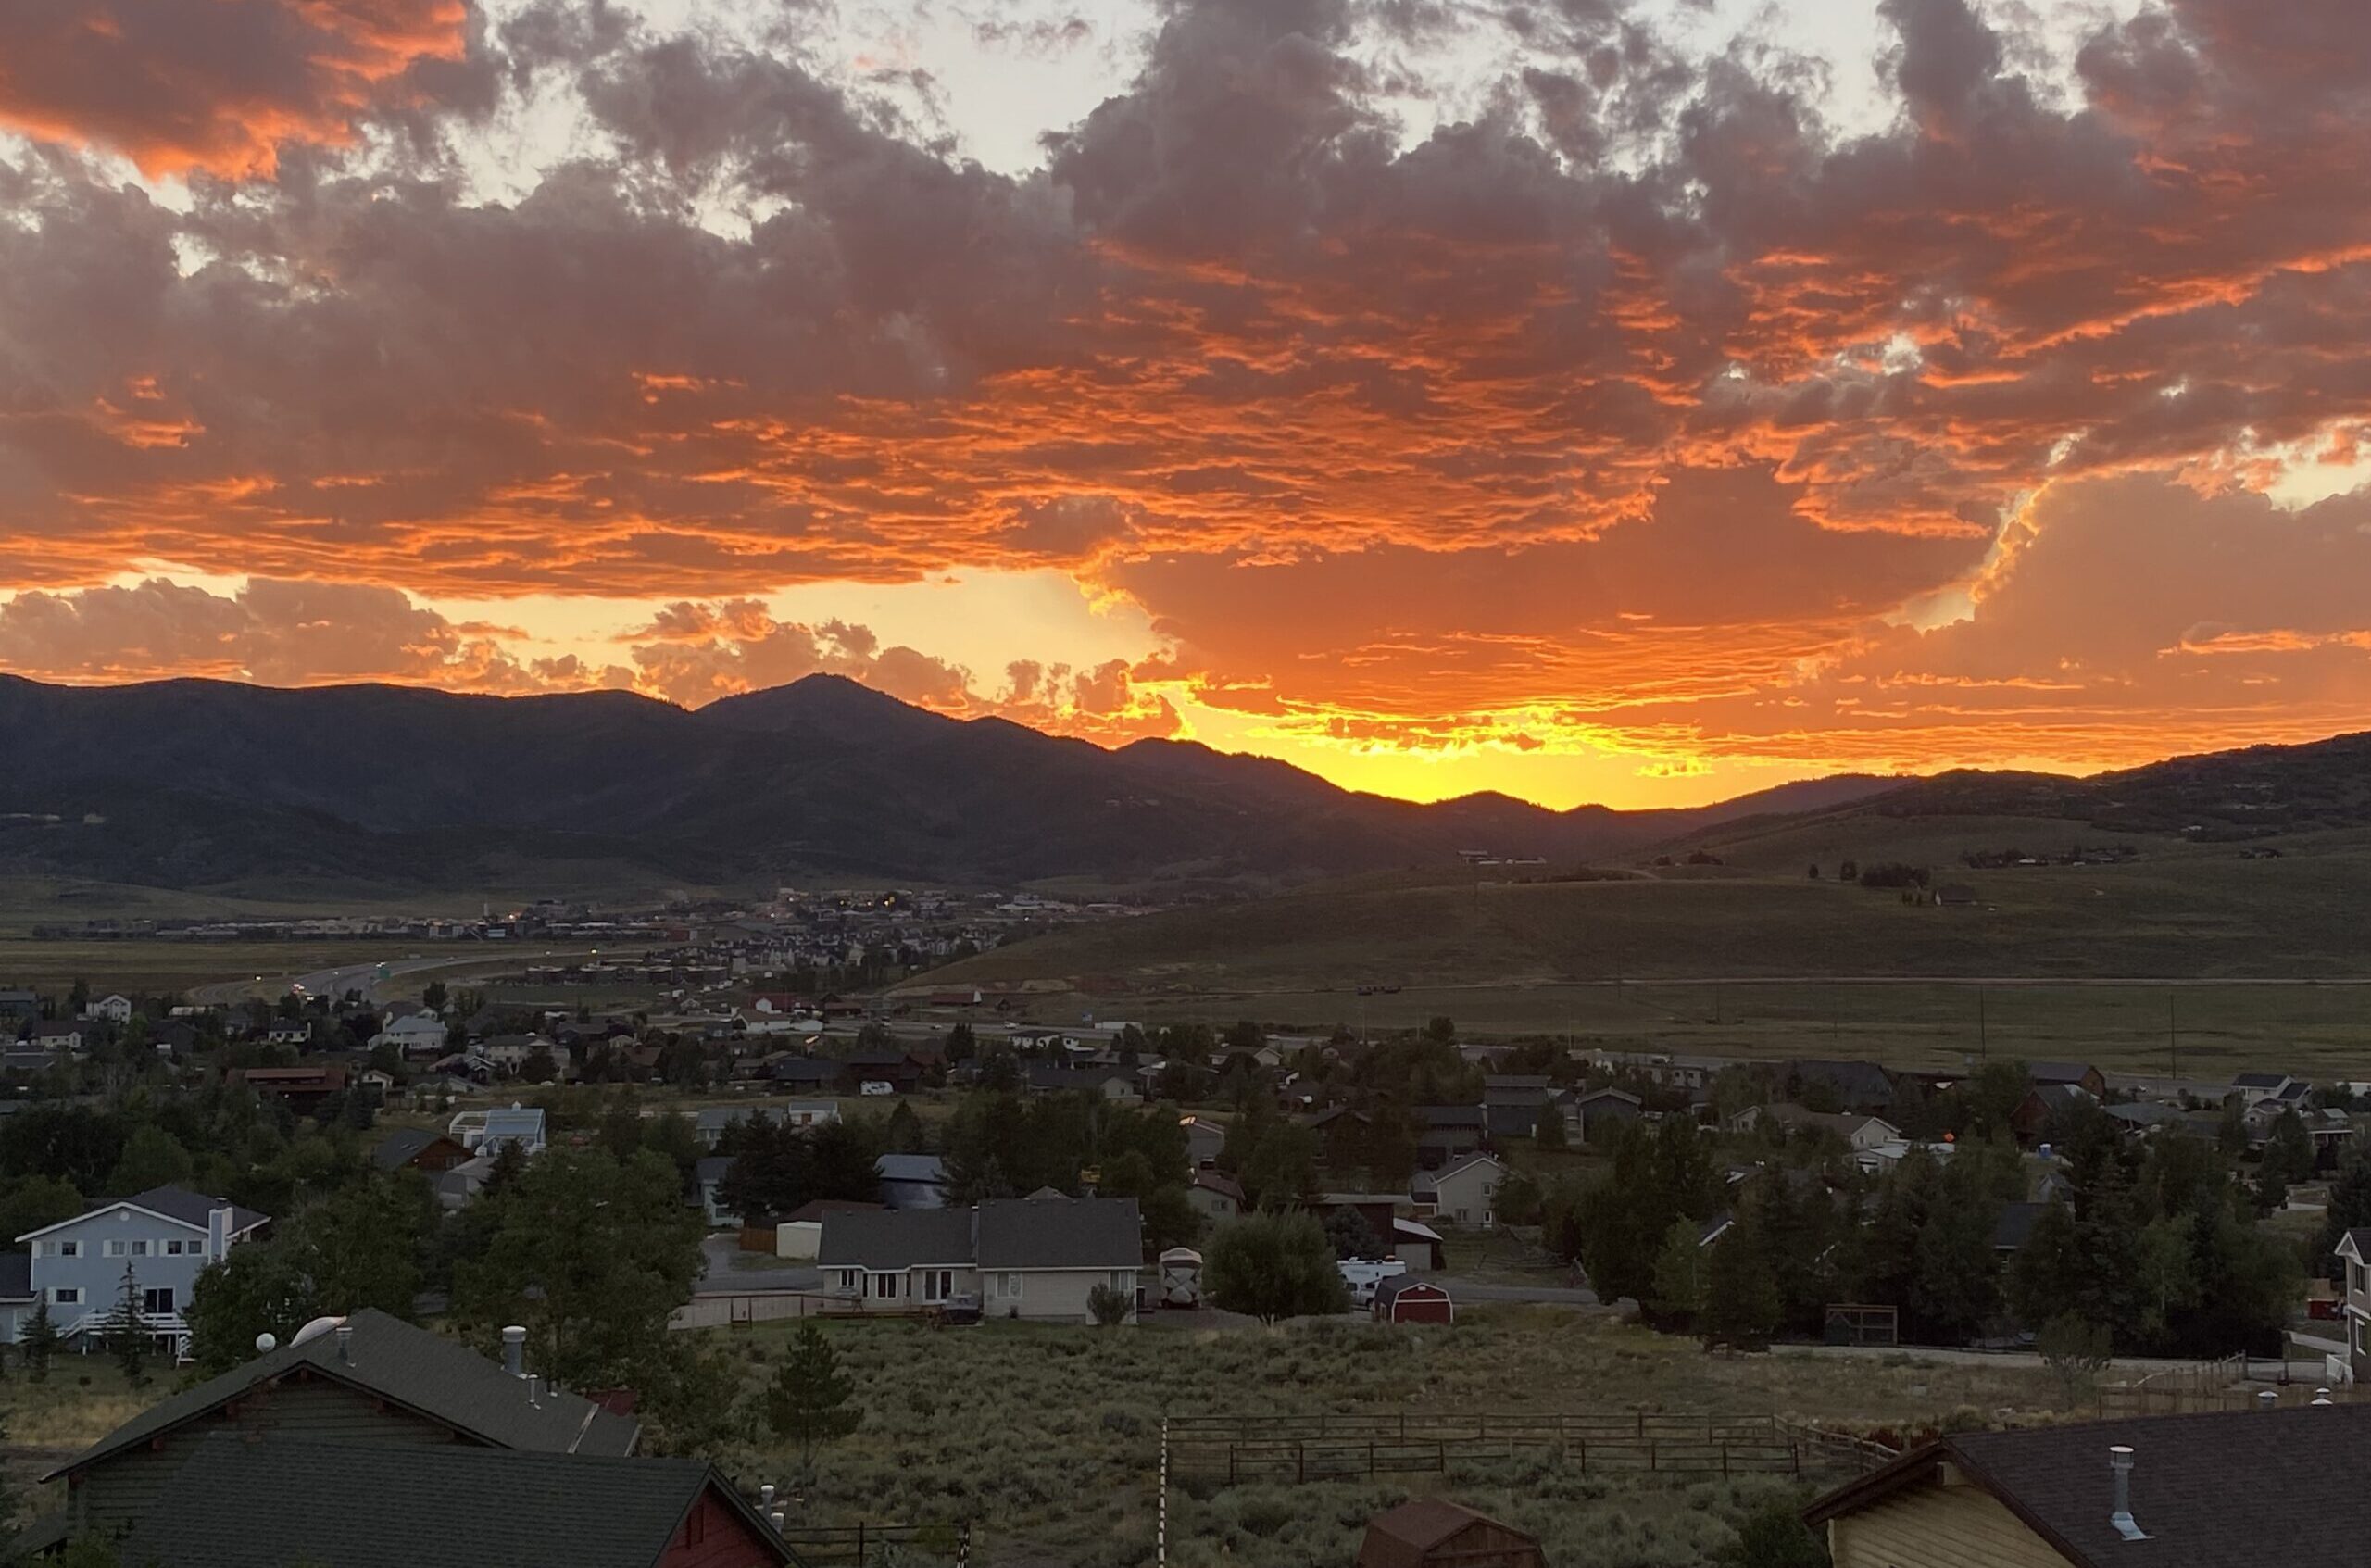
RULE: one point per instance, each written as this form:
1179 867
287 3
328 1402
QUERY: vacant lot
1049 1437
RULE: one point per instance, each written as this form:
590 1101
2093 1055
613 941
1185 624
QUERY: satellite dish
266 1343
315 1329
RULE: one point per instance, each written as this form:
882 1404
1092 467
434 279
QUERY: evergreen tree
1549 1135
1679 1272
2349 1209
127 1337
1741 1301
37 1341
1955 1287
807 1403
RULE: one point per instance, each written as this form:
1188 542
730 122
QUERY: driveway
725 1270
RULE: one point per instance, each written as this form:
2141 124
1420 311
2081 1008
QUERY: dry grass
83 1400
1048 1438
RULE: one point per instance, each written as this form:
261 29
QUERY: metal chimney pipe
776 1517
345 1343
2120 1466
514 1350
766 1497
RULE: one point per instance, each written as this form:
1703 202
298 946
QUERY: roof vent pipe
345 1343
2120 1465
2270 1399
766 1497
514 1350
2322 1397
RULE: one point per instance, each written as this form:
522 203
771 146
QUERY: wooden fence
745 1308
1303 1449
861 1544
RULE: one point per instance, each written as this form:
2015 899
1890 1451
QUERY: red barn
1435 1533
1405 1299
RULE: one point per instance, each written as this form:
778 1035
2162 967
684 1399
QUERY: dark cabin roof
402 1147
1401 1538
894 1238
2224 1490
410 1367
1855 1082
1083 1232
2057 1071
2015 1226
236 1503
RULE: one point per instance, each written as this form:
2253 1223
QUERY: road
363 977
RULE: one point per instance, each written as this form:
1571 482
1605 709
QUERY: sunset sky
1641 402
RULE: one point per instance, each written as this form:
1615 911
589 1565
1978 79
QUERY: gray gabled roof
411 1367
1079 1233
894 1238
401 1147
178 1204
237 1503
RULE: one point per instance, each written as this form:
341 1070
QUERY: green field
1048 1438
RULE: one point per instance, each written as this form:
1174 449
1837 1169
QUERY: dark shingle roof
193 1208
16 1276
411 1367
236 1503
401 1147
894 1238
2226 1490
2057 1071
1085 1233
2015 1226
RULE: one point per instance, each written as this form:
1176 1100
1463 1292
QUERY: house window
1013 1285
112 1249
157 1299
937 1284
1123 1282
68 1249
66 1295
851 1279
140 1249
881 1287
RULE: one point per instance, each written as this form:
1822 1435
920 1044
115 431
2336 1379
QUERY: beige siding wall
118 1491
1048 1295
1939 1527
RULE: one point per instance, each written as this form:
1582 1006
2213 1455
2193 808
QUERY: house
367 1377
1216 1196
708 1175
1344 1136
912 1181
2355 1300
2109 1494
379 1084
2042 1106
1465 1192
1204 1138
900 1071
1446 1133
1406 1298
297 1033
1105 1083
2089 1079
1435 1533
800 1235
489 1132
58 1035
1019 1258
1859 1133
416 1148
234 1503
303 1087
512 1052
1514 1105
2140 1118
111 1009
709 1122
19 1007
1603 1113
809 1073
162 1237
1853 1085
414 1034
173 1038
2253 1087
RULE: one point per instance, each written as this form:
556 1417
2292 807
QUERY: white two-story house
162 1237
2354 1259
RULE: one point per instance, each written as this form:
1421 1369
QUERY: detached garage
1405 1299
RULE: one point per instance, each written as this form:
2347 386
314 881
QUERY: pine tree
1741 1301
1679 1271
809 1402
38 1340
127 1337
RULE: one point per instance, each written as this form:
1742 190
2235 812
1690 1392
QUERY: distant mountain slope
189 784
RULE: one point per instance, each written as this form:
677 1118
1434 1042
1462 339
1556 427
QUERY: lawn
1048 1438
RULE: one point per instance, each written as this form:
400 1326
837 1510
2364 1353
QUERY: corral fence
1299 1448
863 1545
2185 1398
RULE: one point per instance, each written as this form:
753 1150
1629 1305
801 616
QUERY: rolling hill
382 789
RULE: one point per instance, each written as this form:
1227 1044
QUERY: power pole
1983 1034
1161 1530
2173 1036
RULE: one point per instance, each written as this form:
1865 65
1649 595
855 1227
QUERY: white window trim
65 1295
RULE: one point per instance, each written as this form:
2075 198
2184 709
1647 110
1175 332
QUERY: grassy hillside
1754 958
